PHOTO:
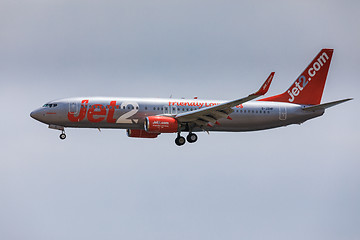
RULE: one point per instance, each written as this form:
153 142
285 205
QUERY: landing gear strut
61 128
180 140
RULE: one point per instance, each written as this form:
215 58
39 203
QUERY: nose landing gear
62 135
61 128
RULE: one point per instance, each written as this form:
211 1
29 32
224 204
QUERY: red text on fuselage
96 113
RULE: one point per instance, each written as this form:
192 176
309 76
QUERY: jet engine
161 124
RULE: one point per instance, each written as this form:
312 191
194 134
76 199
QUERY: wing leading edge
204 116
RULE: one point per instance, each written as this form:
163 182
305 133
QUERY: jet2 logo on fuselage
98 112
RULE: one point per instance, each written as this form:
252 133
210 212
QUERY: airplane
148 118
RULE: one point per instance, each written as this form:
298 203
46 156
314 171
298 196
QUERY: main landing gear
191 138
180 140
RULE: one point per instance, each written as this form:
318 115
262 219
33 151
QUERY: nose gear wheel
62 135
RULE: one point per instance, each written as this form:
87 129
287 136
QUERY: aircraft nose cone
35 114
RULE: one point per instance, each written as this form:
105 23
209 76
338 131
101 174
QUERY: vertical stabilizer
309 86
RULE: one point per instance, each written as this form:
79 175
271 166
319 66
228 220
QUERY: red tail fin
308 88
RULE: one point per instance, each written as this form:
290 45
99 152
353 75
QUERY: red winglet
265 87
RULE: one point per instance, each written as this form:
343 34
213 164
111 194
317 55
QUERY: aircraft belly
246 123
88 124
256 122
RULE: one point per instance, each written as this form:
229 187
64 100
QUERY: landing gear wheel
191 138
62 136
180 141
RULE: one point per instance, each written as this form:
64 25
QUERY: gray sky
297 182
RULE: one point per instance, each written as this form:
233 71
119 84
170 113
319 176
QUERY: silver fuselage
130 113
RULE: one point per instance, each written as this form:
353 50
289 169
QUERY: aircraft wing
202 117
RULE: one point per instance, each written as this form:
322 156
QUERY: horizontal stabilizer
325 105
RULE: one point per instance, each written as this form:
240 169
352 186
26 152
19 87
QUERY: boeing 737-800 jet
147 118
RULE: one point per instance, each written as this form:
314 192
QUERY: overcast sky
297 182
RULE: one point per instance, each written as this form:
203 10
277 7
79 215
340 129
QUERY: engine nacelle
139 133
161 124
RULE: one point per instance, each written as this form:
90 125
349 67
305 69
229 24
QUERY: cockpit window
50 105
